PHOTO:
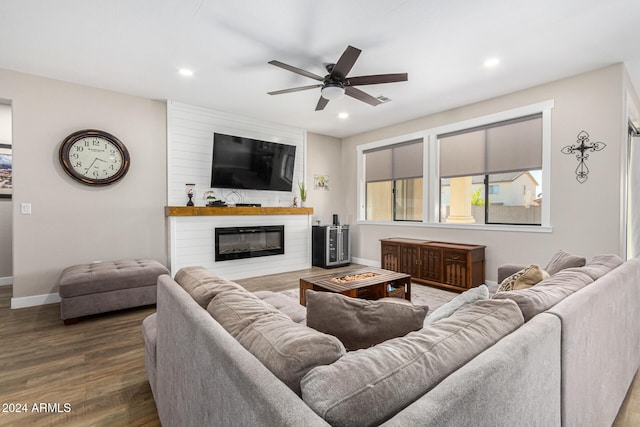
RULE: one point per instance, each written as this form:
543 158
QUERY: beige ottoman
107 286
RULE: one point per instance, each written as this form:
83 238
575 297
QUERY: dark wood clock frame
76 136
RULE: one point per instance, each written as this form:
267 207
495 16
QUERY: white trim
6 281
514 113
485 227
34 300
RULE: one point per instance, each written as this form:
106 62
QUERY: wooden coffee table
375 283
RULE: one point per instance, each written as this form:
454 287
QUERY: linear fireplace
249 242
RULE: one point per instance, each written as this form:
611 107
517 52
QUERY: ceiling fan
336 84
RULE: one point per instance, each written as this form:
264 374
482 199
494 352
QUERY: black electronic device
251 164
255 205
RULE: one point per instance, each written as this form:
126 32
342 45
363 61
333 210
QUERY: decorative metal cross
583 139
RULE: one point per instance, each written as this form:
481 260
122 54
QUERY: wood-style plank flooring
97 365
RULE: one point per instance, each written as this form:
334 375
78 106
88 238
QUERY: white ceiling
137 47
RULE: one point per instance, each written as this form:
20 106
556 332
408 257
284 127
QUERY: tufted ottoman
106 286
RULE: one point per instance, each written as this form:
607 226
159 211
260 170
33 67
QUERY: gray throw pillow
360 323
467 297
561 260
369 386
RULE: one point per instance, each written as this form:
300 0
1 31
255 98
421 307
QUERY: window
492 174
394 182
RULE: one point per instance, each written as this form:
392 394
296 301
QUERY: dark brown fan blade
296 70
361 96
322 102
294 89
345 63
376 79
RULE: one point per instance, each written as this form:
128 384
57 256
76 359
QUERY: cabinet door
431 264
409 260
389 258
455 268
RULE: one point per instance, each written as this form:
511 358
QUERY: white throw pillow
467 297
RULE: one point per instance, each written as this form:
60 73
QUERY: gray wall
72 223
323 158
586 218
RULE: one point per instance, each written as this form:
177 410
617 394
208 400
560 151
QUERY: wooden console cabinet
452 266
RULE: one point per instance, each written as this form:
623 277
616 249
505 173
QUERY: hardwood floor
97 365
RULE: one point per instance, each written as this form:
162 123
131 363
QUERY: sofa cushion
202 284
287 305
600 265
467 297
361 323
548 292
367 387
523 279
288 349
561 260
236 309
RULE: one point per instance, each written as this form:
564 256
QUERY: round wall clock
94 157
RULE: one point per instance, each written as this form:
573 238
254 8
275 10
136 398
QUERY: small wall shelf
233 210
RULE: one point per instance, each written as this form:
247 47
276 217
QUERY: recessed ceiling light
491 62
185 72
343 116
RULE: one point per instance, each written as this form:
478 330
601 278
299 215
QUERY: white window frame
431 173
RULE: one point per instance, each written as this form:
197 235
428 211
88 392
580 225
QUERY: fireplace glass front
248 242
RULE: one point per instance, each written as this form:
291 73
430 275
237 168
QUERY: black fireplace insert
249 242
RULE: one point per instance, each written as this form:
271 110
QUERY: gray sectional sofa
570 364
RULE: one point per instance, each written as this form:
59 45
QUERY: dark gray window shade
508 146
398 161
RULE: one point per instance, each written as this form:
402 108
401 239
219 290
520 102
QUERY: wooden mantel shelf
233 210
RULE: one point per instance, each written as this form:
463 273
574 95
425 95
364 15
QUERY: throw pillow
360 323
523 279
368 387
561 260
467 297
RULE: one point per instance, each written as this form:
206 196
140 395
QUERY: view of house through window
394 190
493 174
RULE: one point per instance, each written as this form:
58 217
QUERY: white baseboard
6 281
367 262
34 300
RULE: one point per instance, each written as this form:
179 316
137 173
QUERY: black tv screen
251 164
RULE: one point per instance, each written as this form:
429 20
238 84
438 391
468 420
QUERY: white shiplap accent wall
192 239
190 148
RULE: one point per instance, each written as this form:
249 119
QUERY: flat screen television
251 164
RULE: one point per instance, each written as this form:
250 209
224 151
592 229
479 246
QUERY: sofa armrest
507 270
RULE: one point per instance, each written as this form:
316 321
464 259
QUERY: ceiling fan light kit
336 84
332 91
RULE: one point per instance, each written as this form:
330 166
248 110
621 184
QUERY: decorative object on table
581 148
295 202
191 191
94 157
303 193
321 182
210 198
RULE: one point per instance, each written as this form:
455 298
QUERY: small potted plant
303 193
